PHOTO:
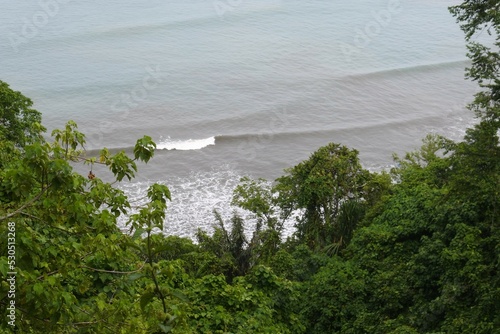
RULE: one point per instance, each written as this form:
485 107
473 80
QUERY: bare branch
114 271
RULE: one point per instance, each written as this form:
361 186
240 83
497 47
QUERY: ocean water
228 88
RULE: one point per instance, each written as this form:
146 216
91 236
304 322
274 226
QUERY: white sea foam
193 200
185 145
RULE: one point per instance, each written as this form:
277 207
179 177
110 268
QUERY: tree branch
25 205
114 271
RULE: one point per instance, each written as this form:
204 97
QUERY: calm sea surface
238 87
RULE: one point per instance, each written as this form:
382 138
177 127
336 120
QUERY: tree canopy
19 122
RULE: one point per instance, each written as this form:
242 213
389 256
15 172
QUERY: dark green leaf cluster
19 123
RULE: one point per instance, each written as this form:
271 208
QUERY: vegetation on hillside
416 250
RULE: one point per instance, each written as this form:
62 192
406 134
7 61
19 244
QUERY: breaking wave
185 145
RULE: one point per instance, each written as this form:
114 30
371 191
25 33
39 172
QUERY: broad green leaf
146 299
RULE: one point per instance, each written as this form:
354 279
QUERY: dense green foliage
19 123
328 187
416 250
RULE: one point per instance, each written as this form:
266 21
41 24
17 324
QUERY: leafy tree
429 252
231 247
19 123
259 197
334 300
298 263
260 302
76 271
474 18
325 187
